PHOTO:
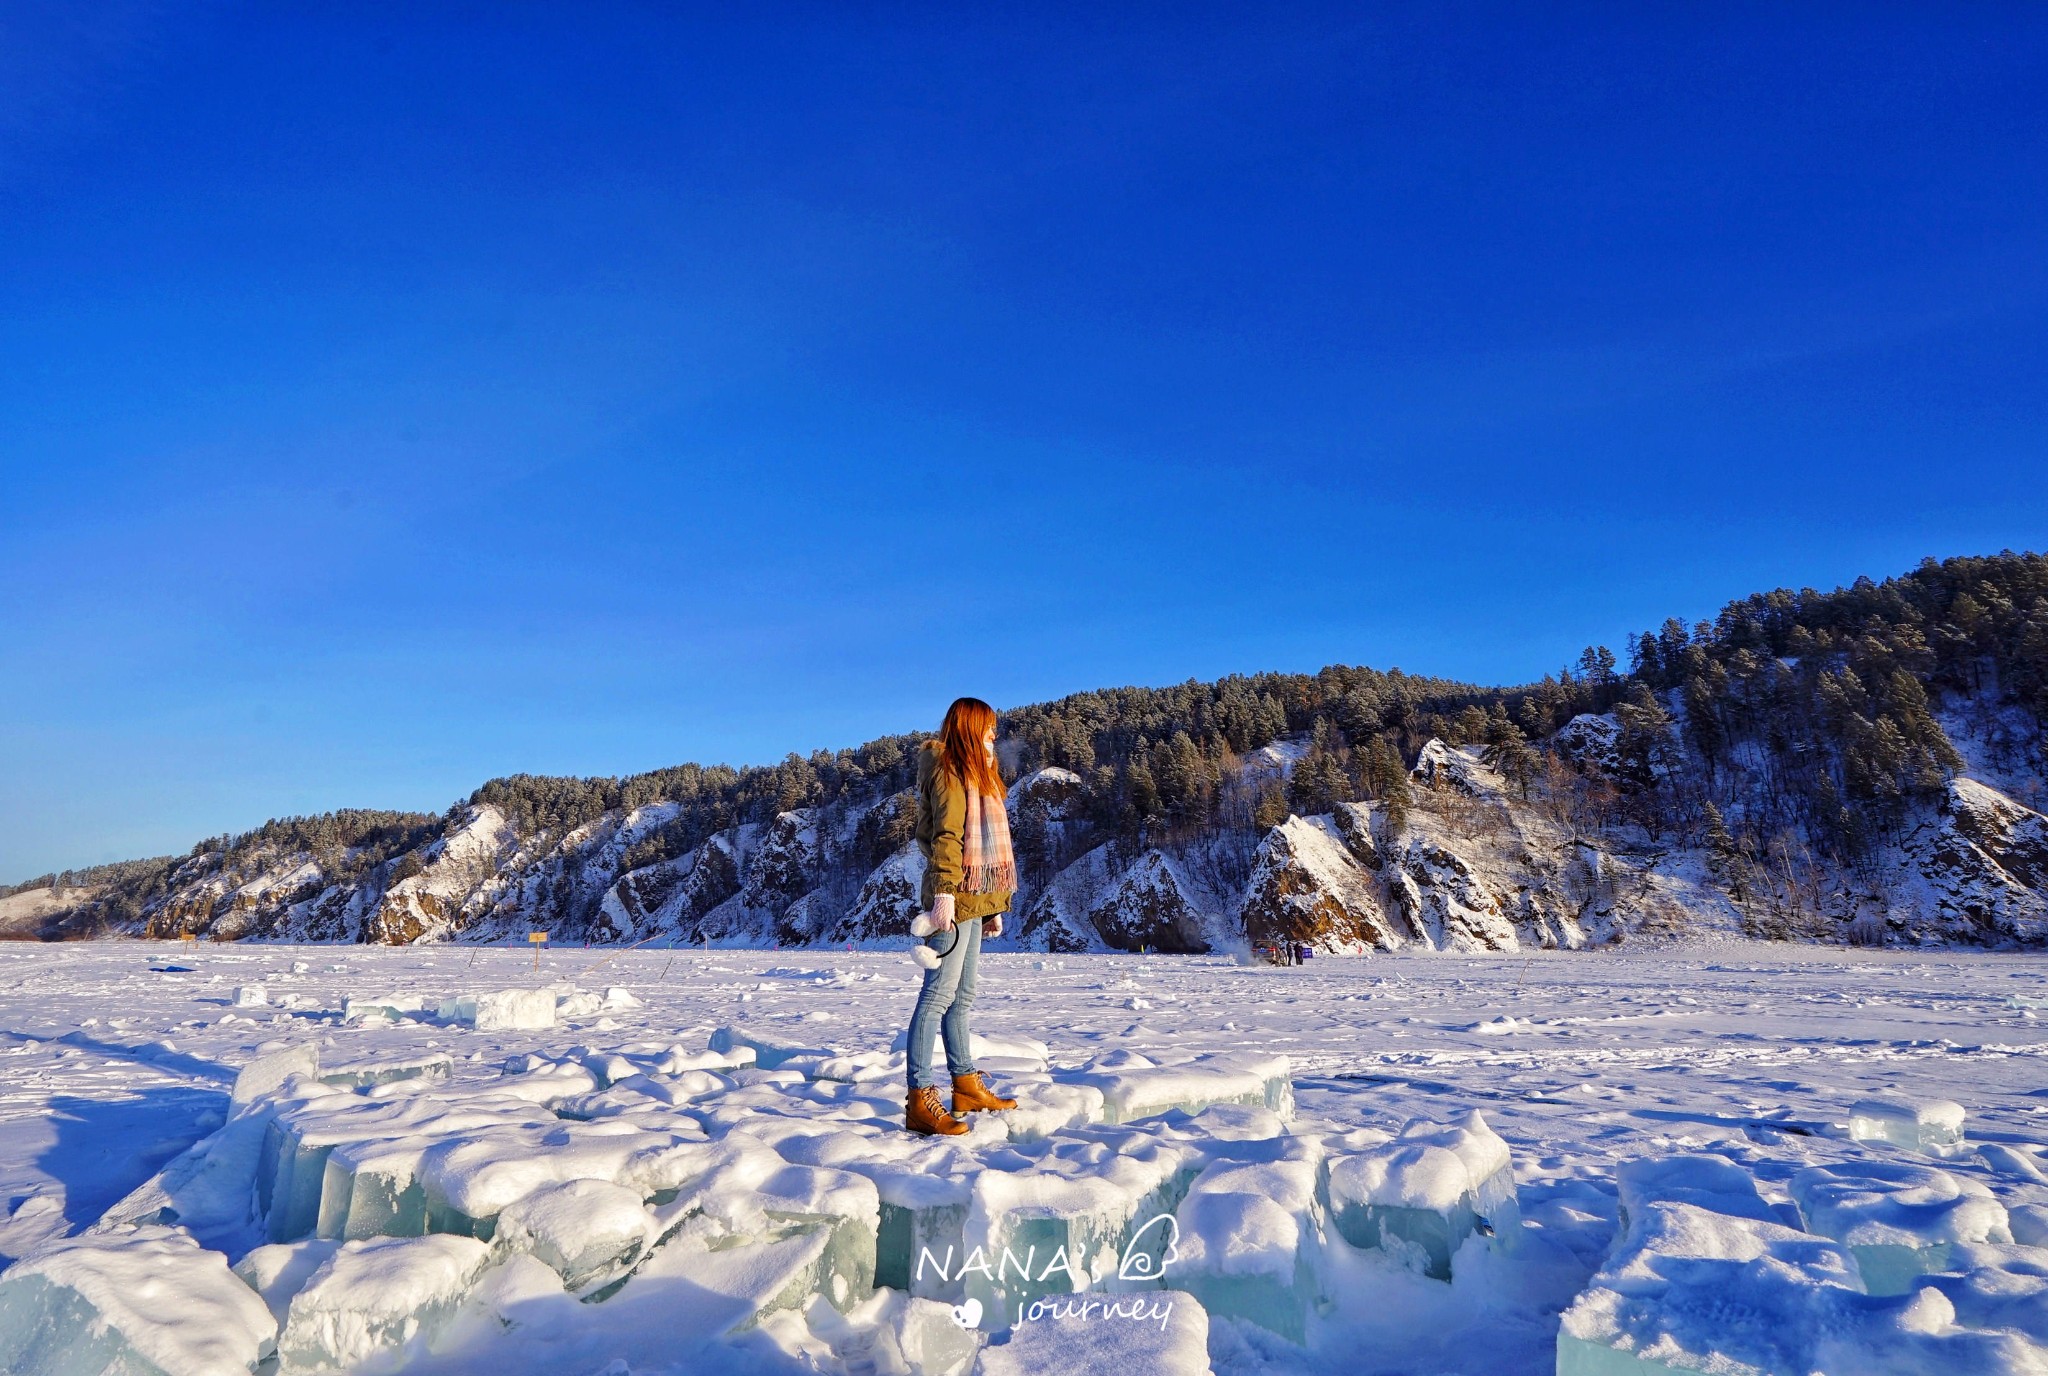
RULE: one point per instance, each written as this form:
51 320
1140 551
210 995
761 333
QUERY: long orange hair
961 753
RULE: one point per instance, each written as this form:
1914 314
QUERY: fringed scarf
985 846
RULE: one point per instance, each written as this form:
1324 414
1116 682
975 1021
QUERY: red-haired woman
969 877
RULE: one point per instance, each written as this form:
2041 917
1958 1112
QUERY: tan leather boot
971 1094
926 1115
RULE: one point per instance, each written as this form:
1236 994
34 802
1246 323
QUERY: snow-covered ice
148 1301
1420 1195
587 1231
1246 1239
1691 1290
1933 1127
1139 1088
375 1296
1712 1182
1061 1225
702 1166
1899 1221
503 1010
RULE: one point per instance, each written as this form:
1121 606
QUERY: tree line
1791 714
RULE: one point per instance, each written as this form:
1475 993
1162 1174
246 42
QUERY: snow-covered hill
1865 765
1474 865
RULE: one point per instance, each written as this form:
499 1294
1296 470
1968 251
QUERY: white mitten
992 928
939 919
925 956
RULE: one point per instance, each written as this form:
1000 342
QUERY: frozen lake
115 1058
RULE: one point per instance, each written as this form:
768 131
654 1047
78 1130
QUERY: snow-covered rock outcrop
1591 741
887 900
1444 902
1308 886
1048 820
428 904
1272 764
1447 766
1100 900
1984 861
1056 793
782 869
671 897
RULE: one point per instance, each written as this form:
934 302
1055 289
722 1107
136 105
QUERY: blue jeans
947 994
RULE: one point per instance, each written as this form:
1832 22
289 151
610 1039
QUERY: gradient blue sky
395 396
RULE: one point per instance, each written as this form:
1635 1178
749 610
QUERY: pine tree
1144 791
1386 781
1645 744
1720 845
1511 753
1271 808
1318 782
1703 723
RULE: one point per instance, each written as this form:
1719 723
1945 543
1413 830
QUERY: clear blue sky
392 396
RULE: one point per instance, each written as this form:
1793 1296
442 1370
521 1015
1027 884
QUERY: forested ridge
1794 728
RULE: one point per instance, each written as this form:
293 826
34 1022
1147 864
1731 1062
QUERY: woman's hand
991 927
942 912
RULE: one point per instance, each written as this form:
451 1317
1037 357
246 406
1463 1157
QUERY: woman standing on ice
969 876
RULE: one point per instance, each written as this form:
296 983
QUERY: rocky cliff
1473 866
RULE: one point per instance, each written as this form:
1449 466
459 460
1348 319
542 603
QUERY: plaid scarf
985 848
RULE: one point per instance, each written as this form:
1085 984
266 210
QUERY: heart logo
967 1315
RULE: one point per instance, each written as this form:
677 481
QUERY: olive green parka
941 823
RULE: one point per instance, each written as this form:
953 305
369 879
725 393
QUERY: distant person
969 877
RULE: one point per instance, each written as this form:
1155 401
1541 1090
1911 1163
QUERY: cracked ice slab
385 1007
1691 1290
469 1180
1999 1286
923 1186
1898 1220
587 1231
277 1271
749 1191
143 1302
1704 1179
704 1280
1419 1196
502 1010
266 1074
378 1295
1063 1219
362 1073
770 1050
371 1186
1137 1088
1932 1127
1247 1240
297 1194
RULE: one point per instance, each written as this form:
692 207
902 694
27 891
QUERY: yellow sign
537 938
